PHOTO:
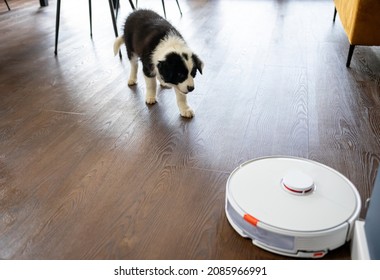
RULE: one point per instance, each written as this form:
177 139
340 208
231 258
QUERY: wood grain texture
89 171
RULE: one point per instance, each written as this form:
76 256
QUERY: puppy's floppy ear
197 62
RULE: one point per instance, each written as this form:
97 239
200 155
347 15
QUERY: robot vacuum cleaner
292 206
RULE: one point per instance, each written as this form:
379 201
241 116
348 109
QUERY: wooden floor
89 171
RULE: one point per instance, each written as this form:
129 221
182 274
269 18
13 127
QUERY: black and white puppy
164 55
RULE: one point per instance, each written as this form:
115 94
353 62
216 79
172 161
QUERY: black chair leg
113 18
350 53
57 17
132 6
6 3
90 12
179 7
335 11
116 4
114 21
163 6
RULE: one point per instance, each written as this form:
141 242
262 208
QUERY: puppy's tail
116 45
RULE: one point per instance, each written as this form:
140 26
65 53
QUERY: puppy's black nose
190 88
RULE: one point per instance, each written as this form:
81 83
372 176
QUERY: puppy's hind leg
151 87
134 67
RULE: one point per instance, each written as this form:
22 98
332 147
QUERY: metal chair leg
350 53
163 6
132 6
90 12
6 3
179 7
116 7
114 21
334 14
57 17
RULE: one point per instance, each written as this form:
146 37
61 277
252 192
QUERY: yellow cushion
360 20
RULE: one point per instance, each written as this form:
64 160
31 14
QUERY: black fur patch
198 64
173 69
143 31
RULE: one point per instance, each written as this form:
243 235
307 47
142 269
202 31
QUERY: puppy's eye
181 76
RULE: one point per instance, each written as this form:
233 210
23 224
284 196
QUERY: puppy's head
179 69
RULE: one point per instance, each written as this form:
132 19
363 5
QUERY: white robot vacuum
292 206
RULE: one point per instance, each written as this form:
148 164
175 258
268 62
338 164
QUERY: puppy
164 55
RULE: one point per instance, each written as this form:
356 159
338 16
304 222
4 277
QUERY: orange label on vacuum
318 254
250 219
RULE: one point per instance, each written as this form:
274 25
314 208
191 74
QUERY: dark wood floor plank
279 119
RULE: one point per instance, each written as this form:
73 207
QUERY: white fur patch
151 86
170 43
133 72
116 45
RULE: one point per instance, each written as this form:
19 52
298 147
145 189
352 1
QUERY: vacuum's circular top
292 194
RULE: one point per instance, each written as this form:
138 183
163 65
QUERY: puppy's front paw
150 100
132 82
187 113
